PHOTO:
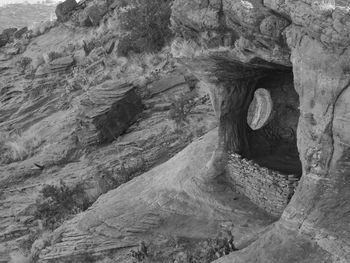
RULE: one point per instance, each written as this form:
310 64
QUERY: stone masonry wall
269 190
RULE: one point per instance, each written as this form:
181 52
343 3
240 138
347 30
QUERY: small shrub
23 63
59 202
54 55
211 249
141 253
181 108
185 250
148 25
184 48
18 147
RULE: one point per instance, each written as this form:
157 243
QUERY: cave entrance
263 161
274 145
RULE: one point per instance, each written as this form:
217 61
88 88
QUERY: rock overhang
309 37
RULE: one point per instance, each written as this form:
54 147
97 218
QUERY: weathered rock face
297 51
92 15
107 112
7 36
19 33
3 40
153 205
312 38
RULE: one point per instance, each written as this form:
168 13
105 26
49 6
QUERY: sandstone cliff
279 186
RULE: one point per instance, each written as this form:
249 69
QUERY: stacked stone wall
268 189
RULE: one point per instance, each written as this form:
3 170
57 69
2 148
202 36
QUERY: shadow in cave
274 146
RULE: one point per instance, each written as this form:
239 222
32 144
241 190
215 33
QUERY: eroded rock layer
295 49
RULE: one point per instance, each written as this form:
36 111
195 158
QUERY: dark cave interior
274 146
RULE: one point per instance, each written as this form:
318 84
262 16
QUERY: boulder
95 15
7 36
92 15
64 10
107 112
18 34
9 32
260 109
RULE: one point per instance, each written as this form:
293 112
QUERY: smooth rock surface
166 200
260 109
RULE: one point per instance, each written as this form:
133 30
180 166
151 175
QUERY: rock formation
275 173
107 112
7 36
260 109
64 10
19 33
267 36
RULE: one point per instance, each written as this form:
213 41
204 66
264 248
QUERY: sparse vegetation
181 250
141 253
17 147
59 202
184 48
22 63
126 173
209 250
181 108
147 24
52 55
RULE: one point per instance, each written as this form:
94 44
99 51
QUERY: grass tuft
17 147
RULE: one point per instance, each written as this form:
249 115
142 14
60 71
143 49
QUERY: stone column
231 88
231 103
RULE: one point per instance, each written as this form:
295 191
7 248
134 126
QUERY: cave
274 145
258 129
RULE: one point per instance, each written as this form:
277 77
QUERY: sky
5 2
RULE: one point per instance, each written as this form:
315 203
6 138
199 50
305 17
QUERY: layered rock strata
107 111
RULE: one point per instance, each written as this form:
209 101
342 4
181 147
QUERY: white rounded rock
260 109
